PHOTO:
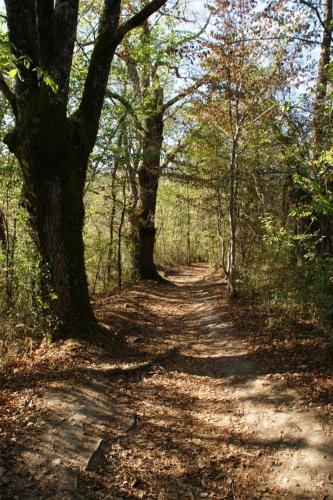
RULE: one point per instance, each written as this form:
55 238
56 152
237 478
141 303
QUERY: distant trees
242 90
215 148
310 23
53 148
152 65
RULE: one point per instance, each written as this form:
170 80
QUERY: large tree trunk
321 128
53 151
320 122
54 164
149 174
321 125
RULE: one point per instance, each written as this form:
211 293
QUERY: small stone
56 462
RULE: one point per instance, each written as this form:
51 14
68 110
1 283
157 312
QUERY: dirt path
204 423
294 449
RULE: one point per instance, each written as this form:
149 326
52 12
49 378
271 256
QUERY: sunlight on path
298 447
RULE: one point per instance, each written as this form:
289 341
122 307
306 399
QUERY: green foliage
282 193
185 230
7 60
10 65
292 282
47 79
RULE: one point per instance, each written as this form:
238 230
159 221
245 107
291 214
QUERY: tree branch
184 93
315 10
133 75
65 26
109 36
194 36
21 23
139 18
265 39
99 68
172 155
127 105
45 27
22 30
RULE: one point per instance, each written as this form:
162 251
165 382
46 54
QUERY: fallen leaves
191 439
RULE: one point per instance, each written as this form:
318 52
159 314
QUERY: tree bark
320 125
188 228
111 228
54 164
8 248
220 234
149 174
120 234
233 220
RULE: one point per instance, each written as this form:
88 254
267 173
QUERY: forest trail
237 413
208 422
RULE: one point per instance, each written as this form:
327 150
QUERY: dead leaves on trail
299 360
176 429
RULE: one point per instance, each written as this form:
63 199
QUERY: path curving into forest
244 408
241 423
202 422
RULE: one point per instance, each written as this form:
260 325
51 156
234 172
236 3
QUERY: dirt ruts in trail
202 422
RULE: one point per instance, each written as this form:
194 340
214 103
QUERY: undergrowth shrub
290 280
24 319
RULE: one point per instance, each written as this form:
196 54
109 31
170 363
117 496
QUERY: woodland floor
228 412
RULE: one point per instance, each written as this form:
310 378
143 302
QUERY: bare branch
184 93
172 155
315 9
195 36
272 38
